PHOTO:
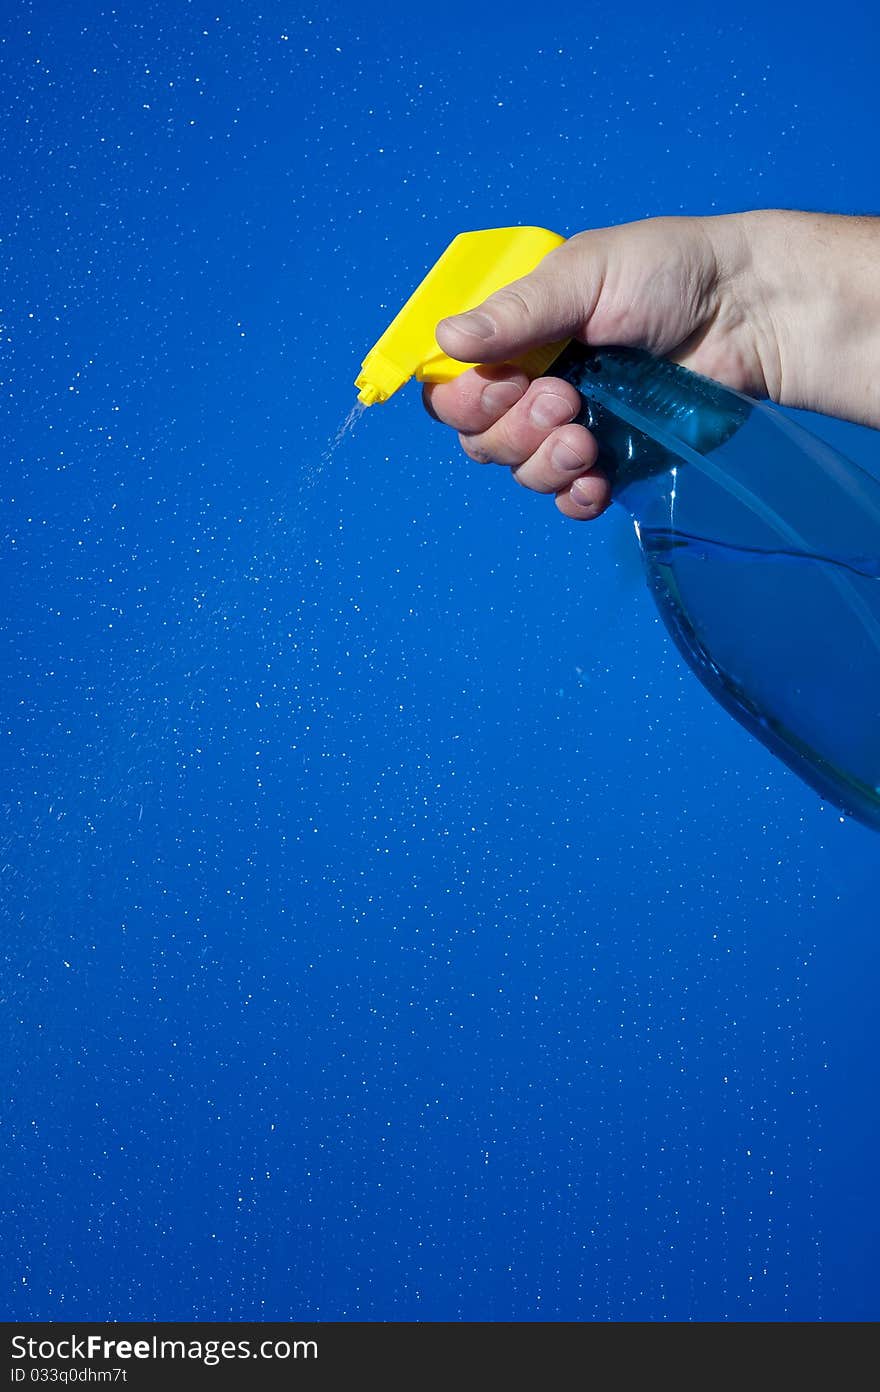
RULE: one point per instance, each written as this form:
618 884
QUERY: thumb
547 305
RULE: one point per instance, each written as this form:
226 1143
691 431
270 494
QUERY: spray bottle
761 544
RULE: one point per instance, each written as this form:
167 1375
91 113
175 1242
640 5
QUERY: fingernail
473 322
565 458
500 396
580 493
550 409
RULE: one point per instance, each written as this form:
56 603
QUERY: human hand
725 296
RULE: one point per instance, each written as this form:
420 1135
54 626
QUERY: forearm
811 283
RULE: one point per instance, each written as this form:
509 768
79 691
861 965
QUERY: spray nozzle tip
369 394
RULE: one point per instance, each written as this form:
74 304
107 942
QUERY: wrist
810 285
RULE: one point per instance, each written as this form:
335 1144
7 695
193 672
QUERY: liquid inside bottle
761 547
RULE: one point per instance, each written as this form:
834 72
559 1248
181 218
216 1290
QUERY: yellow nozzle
472 267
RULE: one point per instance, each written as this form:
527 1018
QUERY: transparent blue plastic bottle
761 546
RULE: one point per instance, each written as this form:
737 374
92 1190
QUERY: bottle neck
648 415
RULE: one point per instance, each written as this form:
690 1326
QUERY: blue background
393 929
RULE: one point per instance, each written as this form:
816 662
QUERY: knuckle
475 451
454 403
512 297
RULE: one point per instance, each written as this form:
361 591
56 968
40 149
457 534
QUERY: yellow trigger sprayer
761 544
472 267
